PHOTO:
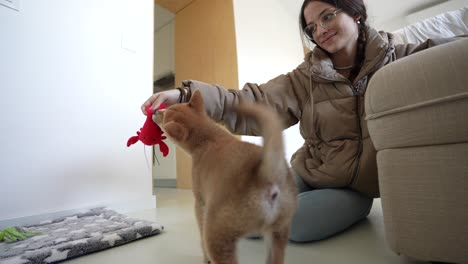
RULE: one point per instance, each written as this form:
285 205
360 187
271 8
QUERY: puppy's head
179 121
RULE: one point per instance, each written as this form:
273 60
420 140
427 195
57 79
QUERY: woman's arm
285 93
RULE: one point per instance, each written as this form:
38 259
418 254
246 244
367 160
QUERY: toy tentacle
163 148
132 140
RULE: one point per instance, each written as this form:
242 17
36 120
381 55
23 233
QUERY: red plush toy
151 134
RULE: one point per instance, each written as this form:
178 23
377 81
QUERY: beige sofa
417 114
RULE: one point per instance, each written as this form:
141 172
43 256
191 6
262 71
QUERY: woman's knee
325 212
301 185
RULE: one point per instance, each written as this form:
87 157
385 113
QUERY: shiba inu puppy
239 188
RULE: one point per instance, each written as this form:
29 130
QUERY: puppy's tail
273 163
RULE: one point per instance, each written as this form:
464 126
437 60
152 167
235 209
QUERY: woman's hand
168 97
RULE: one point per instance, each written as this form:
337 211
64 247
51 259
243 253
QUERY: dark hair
354 8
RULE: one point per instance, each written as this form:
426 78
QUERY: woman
336 166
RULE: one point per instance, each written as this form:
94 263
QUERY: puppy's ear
196 101
176 131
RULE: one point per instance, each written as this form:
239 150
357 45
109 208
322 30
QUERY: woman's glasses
324 22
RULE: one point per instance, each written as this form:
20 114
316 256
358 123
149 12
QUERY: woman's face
339 30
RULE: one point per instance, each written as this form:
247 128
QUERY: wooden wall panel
205 50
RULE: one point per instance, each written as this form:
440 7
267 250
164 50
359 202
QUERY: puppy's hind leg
276 245
220 244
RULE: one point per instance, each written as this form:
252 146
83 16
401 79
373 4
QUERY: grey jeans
322 213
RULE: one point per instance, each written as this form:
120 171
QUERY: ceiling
173 5
378 11
162 16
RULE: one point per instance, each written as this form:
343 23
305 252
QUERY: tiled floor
179 244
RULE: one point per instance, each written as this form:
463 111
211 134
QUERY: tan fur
239 188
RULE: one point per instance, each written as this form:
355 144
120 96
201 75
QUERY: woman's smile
328 38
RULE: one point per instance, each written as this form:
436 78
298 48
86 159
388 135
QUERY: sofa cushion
421 99
424 201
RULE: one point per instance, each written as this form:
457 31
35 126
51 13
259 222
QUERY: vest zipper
358 119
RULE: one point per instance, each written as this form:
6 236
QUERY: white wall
164 62
70 99
268 44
